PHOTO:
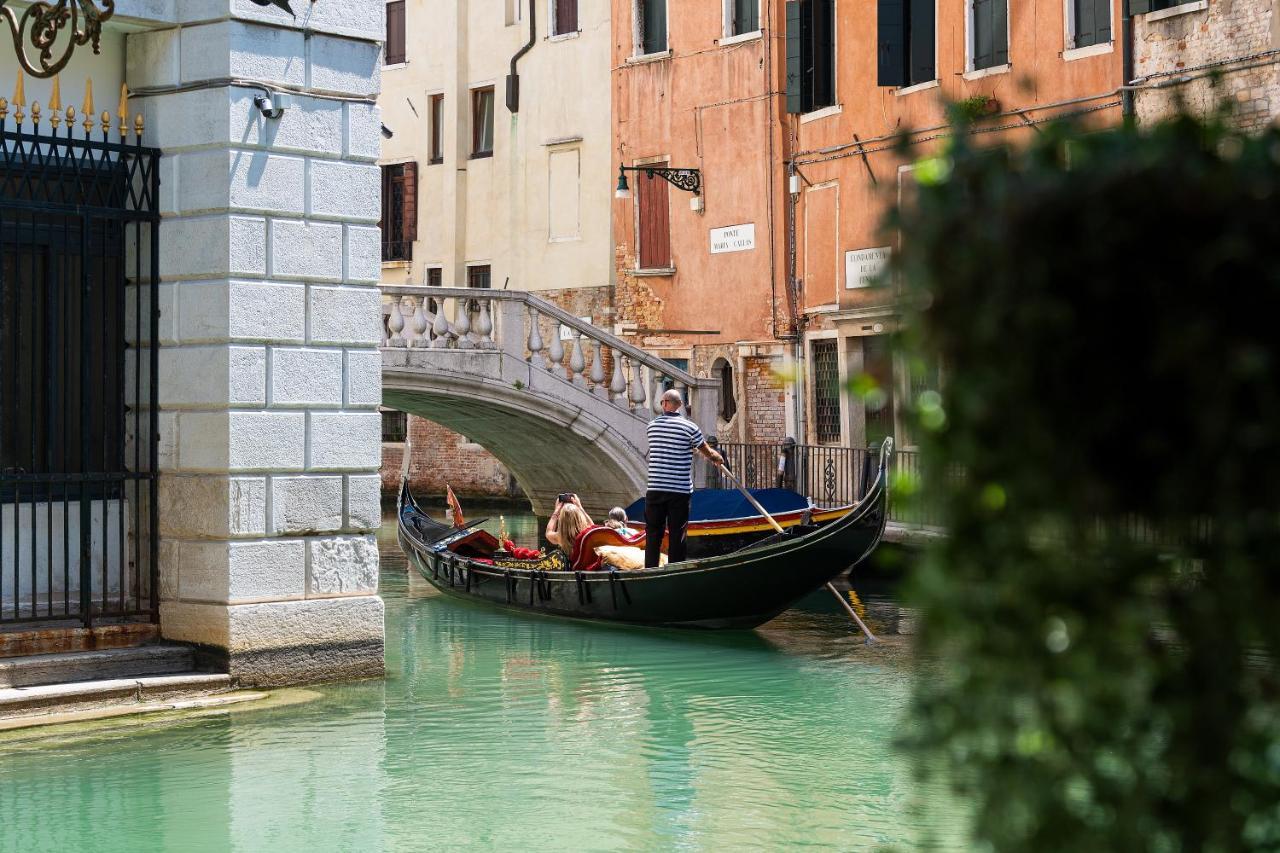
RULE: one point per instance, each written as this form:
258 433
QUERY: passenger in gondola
618 521
567 521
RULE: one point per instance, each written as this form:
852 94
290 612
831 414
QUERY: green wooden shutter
823 27
891 63
794 100
1086 28
1140 7
983 34
921 46
1000 32
1102 21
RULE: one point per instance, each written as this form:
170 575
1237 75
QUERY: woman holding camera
567 521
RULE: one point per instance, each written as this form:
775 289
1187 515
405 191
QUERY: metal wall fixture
689 180
43 22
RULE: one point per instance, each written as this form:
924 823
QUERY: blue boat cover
723 504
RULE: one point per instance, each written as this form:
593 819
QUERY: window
651 26
826 391
478 276
744 16
1090 22
989 33
437 129
394 426
723 371
435 277
877 362
482 122
905 42
395 33
811 55
564 17
399 211
652 203
1139 7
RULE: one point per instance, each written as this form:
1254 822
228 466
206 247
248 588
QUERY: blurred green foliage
1102 624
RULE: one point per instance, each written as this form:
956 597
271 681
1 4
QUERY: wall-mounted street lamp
689 180
42 23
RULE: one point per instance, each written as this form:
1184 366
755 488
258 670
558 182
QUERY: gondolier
673 438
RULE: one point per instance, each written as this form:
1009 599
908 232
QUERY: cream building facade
486 183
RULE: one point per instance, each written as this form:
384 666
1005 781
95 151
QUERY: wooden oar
862 626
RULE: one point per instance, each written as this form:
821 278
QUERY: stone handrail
513 321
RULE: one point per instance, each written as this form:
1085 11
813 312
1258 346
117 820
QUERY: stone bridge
561 403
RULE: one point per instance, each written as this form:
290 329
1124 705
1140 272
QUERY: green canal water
498 731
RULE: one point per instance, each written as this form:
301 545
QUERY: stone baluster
597 370
420 322
555 351
440 328
395 323
535 336
484 326
618 381
655 392
462 324
637 387
577 361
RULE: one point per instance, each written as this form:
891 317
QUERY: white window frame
1069 51
552 35
970 43
727 34
637 42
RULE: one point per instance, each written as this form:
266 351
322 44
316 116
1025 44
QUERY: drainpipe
513 79
1126 60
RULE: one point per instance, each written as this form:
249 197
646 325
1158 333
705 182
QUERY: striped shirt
672 440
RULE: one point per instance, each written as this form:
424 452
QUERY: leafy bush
1101 627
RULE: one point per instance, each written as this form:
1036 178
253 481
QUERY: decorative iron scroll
46 21
689 180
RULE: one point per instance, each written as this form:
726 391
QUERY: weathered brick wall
1228 36
440 457
764 400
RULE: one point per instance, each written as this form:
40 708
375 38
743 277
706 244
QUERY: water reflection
504 731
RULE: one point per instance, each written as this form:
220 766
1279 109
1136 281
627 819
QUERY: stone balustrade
541 333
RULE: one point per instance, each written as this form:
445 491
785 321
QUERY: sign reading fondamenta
734 238
862 267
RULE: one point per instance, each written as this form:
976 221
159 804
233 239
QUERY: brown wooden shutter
566 16
409 203
655 222
395 33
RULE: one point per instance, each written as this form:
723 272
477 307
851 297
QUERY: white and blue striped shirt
672 440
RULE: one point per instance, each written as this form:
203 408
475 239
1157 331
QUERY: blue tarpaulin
718 504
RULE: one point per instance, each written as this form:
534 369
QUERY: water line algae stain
500 731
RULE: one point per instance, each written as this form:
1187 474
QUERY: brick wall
441 456
764 399
1224 36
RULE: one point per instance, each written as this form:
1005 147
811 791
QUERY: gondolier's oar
862 626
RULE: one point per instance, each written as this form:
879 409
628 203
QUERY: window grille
395 426
826 391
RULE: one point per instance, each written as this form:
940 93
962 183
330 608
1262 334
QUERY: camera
566 497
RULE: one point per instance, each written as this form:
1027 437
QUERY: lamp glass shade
623 190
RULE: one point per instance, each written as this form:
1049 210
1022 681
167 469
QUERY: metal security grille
826 391
79 251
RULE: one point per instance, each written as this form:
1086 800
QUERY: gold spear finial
124 110
55 104
87 109
19 99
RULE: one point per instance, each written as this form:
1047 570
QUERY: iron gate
79 312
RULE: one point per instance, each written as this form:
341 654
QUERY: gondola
739 589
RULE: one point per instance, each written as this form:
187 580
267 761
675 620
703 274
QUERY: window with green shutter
1140 7
906 45
1091 22
989 29
746 17
811 55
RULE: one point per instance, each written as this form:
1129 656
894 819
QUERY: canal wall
269 372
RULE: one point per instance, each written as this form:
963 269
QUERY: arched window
723 371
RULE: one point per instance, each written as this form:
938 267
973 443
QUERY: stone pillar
270 377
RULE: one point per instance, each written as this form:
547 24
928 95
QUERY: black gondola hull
737 590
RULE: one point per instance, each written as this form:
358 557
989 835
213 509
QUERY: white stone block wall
1233 38
269 369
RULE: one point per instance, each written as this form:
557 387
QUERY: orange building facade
793 126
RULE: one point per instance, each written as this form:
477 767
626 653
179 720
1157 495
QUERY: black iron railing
397 250
829 475
79 312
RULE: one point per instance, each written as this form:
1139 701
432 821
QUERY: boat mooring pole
862 626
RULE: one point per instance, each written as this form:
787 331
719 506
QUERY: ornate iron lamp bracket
46 19
689 180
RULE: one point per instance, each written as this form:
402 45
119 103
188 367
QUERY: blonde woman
567 521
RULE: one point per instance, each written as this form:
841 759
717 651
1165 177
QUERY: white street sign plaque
735 238
862 267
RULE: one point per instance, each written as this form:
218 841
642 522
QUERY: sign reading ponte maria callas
734 238
862 267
